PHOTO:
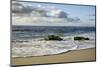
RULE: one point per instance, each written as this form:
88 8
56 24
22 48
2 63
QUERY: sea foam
42 47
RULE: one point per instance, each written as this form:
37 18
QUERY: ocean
28 40
41 31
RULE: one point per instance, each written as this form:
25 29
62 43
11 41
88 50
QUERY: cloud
39 5
91 19
24 14
21 7
18 7
91 15
58 13
16 20
76 19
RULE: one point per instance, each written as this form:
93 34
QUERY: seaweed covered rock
53 37
81 38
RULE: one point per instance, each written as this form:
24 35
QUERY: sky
59 14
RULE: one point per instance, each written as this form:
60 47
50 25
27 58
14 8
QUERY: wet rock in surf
53 37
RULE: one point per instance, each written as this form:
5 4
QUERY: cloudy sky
43 14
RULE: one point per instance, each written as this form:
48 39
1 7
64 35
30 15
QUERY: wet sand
71 56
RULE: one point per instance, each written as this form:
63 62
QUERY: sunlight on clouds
27 13
35 20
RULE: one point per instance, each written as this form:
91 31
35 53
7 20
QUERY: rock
53 37
81 38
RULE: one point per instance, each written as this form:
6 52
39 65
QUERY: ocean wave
40 47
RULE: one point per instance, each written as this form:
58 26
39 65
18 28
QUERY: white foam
43 48
40 47
85 44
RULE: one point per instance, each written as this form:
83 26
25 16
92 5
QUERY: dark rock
81 38
53 37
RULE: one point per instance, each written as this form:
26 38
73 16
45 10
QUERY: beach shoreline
66 57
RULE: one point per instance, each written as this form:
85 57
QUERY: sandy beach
71 56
